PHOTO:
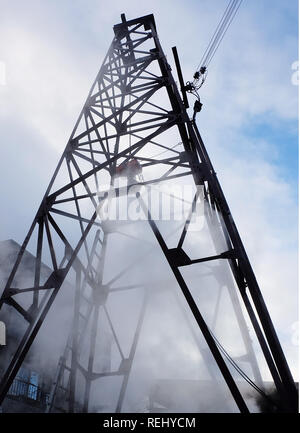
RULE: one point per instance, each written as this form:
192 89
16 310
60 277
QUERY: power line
219 31
212 38
225 31
241 372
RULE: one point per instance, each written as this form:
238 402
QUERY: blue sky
284 153
52 51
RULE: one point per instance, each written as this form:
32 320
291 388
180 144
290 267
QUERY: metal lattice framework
133 113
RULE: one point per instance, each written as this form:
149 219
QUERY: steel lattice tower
133 111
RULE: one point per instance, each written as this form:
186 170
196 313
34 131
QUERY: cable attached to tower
242 373
214 43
